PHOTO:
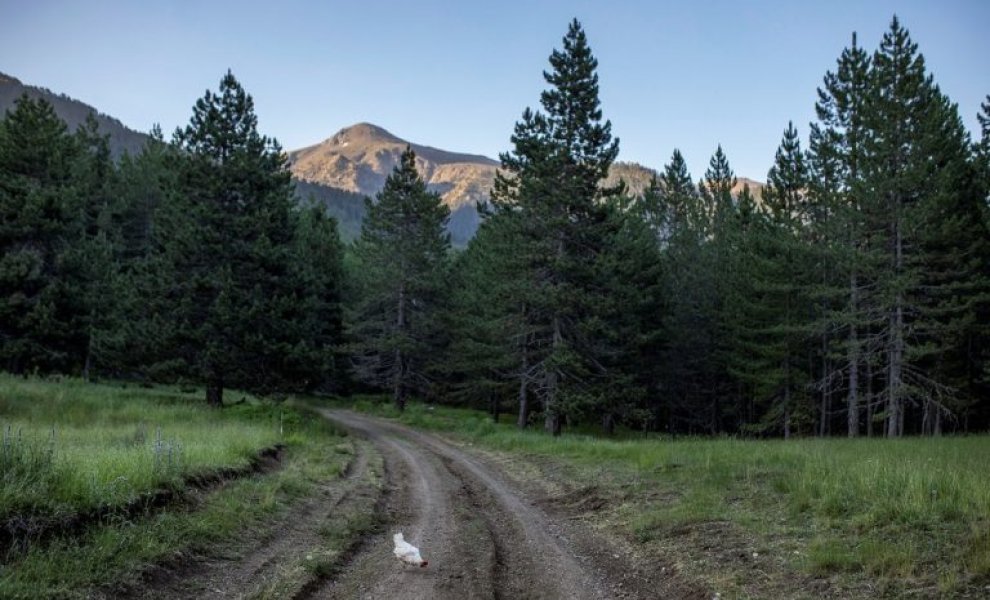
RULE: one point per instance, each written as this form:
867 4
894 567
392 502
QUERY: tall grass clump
70 446
114 444
27 466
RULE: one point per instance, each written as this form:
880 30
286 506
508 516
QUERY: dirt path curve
252 574
481 536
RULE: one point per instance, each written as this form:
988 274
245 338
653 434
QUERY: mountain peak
360 158
364 132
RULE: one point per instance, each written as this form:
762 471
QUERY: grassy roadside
106 451
71 446
801 518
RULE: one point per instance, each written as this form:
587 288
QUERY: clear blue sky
458 74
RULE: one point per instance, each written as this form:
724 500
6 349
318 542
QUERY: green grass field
106 451
72 446
752 517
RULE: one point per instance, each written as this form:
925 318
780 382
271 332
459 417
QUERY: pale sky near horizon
457 75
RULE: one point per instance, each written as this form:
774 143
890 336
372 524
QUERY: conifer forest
849 297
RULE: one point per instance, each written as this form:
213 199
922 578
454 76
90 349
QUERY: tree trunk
852 417
895 407
869 399
523 418
823 409
895 403
549 402
398 387
493 403
551 414
826 388
608 423
214 391
88 364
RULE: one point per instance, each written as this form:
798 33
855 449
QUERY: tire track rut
255 573
483 540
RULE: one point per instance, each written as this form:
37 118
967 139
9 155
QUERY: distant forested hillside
74 113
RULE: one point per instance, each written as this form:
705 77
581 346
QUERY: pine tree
685 357
627 327
401 257
39 315
679 193
776 274
146 193
720 261
892 213
315 308
903 118
94 252
227 242
978 371
552 180
716 191
670 202
953 288
497 264
838 230
894 122
481 359
747 350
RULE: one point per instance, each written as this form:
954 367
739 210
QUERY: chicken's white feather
406 552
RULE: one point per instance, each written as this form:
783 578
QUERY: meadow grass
882 516
70 446
106 451
230 520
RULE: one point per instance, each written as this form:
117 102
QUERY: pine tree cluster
850 297
191 261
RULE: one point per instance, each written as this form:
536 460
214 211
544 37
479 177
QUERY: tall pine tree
846 266
552 179
227 247
777 270
40 309
401 258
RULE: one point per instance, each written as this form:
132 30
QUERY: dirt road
483 538
485 535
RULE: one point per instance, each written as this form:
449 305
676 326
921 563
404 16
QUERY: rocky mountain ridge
359 158
349 165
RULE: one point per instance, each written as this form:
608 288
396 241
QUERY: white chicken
407 553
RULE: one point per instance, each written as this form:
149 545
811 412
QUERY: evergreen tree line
852 297
191 261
